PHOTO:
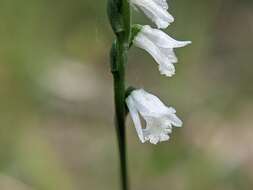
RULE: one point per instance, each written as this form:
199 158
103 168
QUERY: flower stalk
120 17
119 99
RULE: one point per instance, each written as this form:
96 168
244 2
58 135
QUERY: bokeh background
56 105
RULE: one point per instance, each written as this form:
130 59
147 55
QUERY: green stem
119 90
119 98
118 63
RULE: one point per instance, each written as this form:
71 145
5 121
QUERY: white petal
164 137
175 120
148 104
154 12
168 130
153 139
161 39
162 3
169 54
166 67
135 117
171 110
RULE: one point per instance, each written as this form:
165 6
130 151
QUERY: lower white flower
159 118
155 10
160 46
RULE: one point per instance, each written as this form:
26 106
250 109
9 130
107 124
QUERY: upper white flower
159 118
156 10
160 46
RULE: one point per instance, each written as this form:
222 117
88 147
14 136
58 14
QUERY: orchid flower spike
155 10
159 118
159 45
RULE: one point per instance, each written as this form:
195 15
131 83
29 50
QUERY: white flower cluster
159 118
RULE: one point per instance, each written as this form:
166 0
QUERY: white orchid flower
160 46
155 10
159 118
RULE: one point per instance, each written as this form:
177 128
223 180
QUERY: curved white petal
135 117
161 39
171 110
166 66
164 137
145 43
156 11
148 104
162 3
167 70
175 120
170 54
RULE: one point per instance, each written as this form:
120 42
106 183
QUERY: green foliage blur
56 108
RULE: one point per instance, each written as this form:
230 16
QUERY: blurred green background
56 128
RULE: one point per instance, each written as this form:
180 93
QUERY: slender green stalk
119 15
119 98
118 62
